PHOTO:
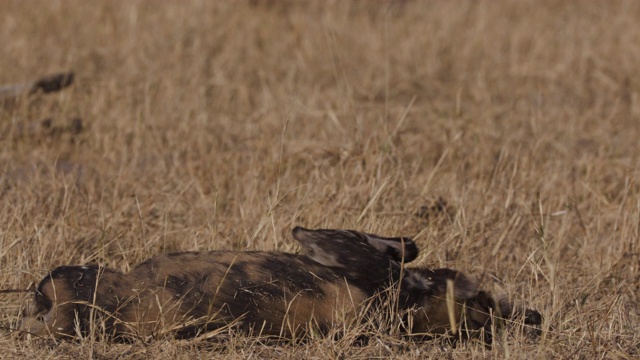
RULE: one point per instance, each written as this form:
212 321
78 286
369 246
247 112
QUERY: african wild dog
266 293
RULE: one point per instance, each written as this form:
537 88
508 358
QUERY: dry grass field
502 135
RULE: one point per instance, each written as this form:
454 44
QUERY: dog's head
455 301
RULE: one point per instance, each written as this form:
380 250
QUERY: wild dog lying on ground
262 293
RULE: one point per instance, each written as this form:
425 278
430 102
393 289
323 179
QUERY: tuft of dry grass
502 135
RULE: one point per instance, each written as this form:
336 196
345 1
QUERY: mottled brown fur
266 293
272 293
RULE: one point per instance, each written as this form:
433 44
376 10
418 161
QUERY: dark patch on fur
410 250
82 281
346 245
362 264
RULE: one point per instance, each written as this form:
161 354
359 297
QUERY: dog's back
185 293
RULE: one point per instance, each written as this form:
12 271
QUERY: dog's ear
514 311
328 246
400 249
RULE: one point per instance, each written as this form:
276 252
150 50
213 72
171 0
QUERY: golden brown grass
220 125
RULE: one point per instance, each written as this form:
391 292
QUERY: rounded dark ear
505 307
400 249
515 311
321 244
335 247
486 301
532 317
